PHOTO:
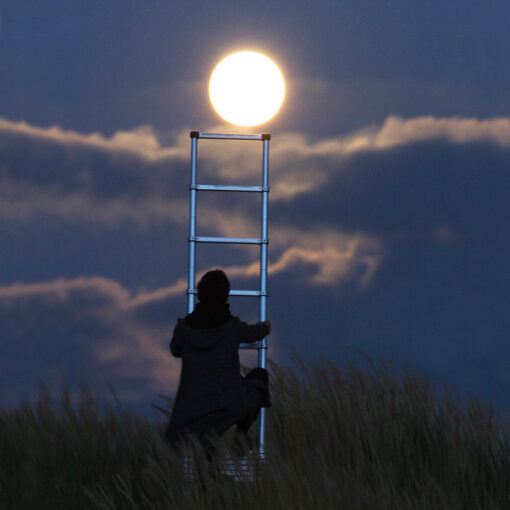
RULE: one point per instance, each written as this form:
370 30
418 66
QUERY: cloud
433 189
356 258
307 165
84 330
23 202
66 177
95 329
141 142
132 177
424 177
397 131
392 240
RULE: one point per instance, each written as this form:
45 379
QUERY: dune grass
338 438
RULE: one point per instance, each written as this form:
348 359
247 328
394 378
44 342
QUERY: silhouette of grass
338 438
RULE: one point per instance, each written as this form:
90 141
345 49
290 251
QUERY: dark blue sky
390 178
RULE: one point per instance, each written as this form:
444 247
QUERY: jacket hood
204 339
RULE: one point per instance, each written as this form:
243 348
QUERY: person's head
213 287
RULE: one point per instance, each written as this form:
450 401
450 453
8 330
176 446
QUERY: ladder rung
231 240
255 293
217 136
217 187
254 345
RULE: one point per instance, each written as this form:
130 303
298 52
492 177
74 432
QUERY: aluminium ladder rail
193 239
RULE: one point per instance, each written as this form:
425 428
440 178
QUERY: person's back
212 394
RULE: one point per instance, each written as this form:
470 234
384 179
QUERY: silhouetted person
212 394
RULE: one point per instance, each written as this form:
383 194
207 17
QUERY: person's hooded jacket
211 384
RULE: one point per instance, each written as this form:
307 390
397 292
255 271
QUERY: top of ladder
217 136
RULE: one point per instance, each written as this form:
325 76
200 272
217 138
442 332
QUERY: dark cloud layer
102 175
439 299
398 249
46 336
423 189
83 331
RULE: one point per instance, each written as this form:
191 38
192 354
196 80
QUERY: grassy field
338 438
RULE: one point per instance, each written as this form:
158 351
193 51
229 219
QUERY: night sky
389 175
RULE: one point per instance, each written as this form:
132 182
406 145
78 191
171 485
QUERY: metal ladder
261 294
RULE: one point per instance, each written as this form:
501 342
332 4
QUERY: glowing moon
246 88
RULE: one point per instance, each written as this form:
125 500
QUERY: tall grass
338 438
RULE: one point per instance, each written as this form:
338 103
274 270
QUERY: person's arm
253 332
175 343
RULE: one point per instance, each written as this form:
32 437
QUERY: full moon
246 88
